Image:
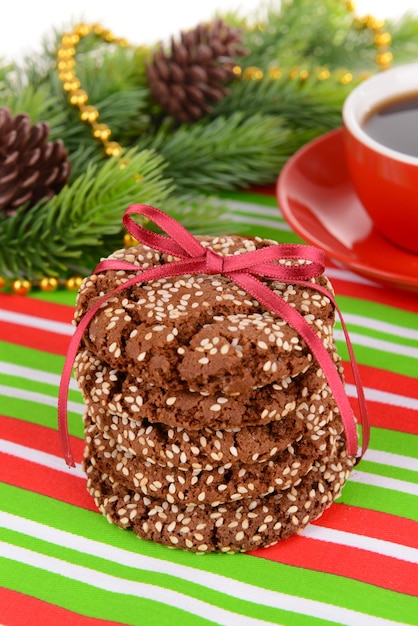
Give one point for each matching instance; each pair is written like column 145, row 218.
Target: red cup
column 385, row 180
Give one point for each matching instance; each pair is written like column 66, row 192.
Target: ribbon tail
column 272, row 302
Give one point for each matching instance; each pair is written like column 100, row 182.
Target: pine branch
column 68, row 232
column 311, row 104
column 223, row 153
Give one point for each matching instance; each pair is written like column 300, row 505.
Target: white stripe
column 362, row 542
column 385, row 458
column 333, row 272
column 55, row 462
column 252, row 208
column 374, row 395
column 39, row 398
column 21, row 319
column 384, row 327
column 384, row 397
column 125, row 587
column 51, row 461
column 374, row 480
column 378, row 344
column 216, row 582
column 395, row 460
column 258, row 221
column 32, row 374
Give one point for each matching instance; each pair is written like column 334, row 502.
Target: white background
column 24, row 23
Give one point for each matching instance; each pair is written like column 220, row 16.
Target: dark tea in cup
column 381, row 145
column 395, row 124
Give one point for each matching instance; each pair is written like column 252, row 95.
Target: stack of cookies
column 209, row 424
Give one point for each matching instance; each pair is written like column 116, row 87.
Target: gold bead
column 67, row 75
column 294, row 73
column 304, row 75
column 65, row 65
column 122, row 42
column 66, row 52
column 101, row 131
column 48, row 283
column 253, row 73
column 78, row 97
column 382, row 39
column 2, row 282
column 21, row 287
column 82, row 30
column 324, row 74
column 237, row 70
column 88, row 114
column 97, row 29
column 72, row 85
column 73, row 283
column 384, row 59
column 374, row 23
column 129, row 241
column 108, row 36
column 275, row 73
column 113, row 149
column 70, row 39
column 346, row 78
column 351, row 6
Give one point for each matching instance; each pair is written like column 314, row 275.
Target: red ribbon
column 244, row 270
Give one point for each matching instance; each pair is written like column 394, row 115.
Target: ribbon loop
column 191, row 257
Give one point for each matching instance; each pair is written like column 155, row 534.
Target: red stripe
column 34, row 338
column 396, row 298
column 36, row 436
column 384, row 415
column 39, row 308
column 371, row 568
column 298, row 551
column 18, row 609
column 45, row 481
column 340, row 516
column 369, row 523
column 384, row 380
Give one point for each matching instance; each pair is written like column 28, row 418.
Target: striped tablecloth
column 62, row 563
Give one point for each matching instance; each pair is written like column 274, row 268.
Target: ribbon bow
column 245, row 270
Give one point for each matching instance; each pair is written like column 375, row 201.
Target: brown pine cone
column 31, row 168
column 192, row 76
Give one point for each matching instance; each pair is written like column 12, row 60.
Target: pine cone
column 186, row 81
column 31, row 168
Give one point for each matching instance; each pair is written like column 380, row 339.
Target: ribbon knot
column 215, row 262
column 247, row 270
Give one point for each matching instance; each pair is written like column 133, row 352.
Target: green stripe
column 394, row 441
column 389, row 470
column 91, row 601
column 392, row 362
column 380, row 499
column 38, row 386
column 61, row 296
column 40, row 414
column 29, row 357
column 249, row 198
column 375, row 310
column 263, row 573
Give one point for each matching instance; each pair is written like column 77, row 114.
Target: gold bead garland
column 88, row 113
column 22, row 286
column 78, row 97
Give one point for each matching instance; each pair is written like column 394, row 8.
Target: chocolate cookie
column 215, row 485
column 122, row 394
column 234, row 527
column 203, row 333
